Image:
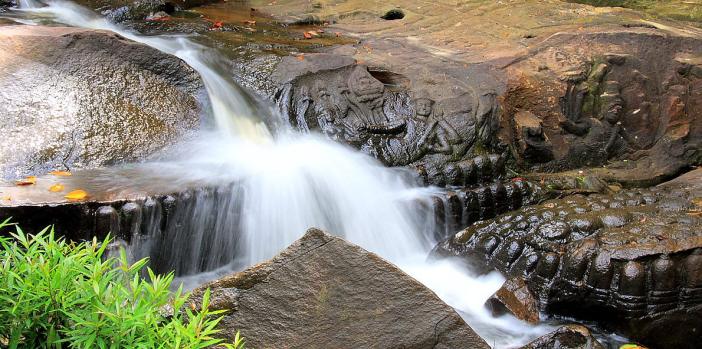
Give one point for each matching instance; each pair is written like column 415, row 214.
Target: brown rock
column 322, row 292
column 566, row 337
column 85, row 98
column 515, row 298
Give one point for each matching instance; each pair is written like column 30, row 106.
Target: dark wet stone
column 566, row 337
column 633, row 267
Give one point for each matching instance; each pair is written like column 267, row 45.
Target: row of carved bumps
column 674, row 281
column 457, row 209
column 481, row 169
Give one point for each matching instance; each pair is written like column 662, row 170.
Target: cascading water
column 288, row 183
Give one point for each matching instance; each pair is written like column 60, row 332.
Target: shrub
column 56, row 294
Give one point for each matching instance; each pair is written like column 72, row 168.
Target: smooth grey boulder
column 323, row 292
column 72, row 98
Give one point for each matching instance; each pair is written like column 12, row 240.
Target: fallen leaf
column 250, row 22
column 307, row 35
column 313, row 33
column 76, row 195
column 56, row 188
column 518, row 179
column 300, row 57
column 338, row 34
column 60, row 173
column 631, row 346
column 550, row 205
column 7, row 198
column 27, row 181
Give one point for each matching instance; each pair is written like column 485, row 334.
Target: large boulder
column 323, row 292
column 84, row 98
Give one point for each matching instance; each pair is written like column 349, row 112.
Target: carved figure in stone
column 593, row 109
column 365, row 97
column 350, row 105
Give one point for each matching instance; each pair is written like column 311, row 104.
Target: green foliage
column 56, row 294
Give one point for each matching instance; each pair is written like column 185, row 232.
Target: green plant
column 56, row 294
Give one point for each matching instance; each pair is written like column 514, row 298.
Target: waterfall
column 288, row 183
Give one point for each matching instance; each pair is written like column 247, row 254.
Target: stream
column 288, row 182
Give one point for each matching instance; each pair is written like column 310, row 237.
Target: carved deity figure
column 365, row 96
column 427, row 131
column 595, row 118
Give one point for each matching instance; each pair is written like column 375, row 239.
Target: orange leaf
column 76, row 195
column 27, row 181
column 300, row 58
column 56, row 188
column 307, row 35
column 60, row 173
column 250, row 22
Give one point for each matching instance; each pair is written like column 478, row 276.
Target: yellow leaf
column 7, row 198
column 631, row 346
column 60, row 173
column 76, row 195
column 27, row 181
column 56, row 188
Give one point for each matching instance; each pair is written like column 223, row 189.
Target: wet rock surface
column 514, row 298
column 322, row 292
column 566, row 337
column 148, row 225
column 82, row 98
column 629, row 260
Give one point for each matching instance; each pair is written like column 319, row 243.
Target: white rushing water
column 292, row 182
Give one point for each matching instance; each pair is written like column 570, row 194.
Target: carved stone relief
column 399, row 128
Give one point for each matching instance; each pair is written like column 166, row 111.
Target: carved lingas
column 633, row 256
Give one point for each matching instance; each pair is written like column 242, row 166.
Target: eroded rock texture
column 82, row 98
column 348, row 103
column 630, row 100
column 323, row 292
column 632, row 260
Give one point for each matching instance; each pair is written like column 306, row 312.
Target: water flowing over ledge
column 290, row 182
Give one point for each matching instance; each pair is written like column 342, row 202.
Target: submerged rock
column 631, row 261
column 322, row 292
column 566, row 337
column 85, row 98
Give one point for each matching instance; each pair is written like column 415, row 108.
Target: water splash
column 292, row 182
